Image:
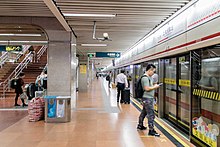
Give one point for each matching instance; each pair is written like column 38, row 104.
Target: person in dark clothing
column 122, row 82
column 97, row 75
column 19, row 89
column 33, row 54
column 110, row 78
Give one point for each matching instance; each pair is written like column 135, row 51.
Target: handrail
column 3, row 58
column 41, row 52
column 25, row 48
column 16, row 72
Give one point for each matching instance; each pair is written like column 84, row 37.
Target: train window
column 206, row 95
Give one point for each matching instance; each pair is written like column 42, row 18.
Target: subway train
column 186, row 51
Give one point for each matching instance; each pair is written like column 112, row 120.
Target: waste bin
column 57, row 109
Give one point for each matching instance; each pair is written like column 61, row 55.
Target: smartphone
column 160, row 84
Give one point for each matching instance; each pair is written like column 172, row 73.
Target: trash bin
column 57, row 109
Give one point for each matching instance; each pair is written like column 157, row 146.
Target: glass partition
column 206, row 95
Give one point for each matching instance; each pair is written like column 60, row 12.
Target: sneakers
column 153, row 133
column 139, row 127
column 17, row 105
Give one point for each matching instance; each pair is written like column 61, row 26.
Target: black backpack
column 139, row 91
column 14, row 83
column 107, row 78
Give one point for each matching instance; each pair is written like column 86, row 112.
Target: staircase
column 31, row 72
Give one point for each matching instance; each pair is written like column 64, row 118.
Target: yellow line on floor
column 168, row 130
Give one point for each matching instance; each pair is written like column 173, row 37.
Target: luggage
column 31, row 91
column 39, row 93
column 126, row 96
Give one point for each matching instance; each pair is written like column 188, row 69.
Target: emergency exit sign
column 108, row 54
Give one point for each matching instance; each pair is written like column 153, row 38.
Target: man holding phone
column 148, row 100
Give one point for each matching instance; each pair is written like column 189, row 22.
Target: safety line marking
column 164, row 127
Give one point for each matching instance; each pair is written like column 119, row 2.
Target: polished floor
column 97, row 121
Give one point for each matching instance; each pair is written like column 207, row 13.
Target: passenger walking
column 148, row 101
column 97, row 76
column 39, row 83
column 122, row 82
column 109, row 78
column 19, row 89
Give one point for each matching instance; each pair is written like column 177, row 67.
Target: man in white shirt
column 122, row 82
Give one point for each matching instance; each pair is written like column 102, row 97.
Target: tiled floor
column 97, row 121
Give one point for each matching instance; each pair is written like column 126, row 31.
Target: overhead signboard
column 108, row 54
column 10, row 48
column 14, row 48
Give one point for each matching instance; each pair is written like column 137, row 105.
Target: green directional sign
column 108, row 54
column 91, row 55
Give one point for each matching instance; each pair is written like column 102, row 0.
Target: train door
column 205, row 111
column 177, row 90
column 135, row 76
column 183, row 92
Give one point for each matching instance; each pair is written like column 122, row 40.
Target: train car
column 186, row 51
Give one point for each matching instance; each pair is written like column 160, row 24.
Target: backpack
column 14, row 83
column 139, row 91
column 107, row 78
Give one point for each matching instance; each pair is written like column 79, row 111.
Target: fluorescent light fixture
column 94, row 45
column 22, row 35
column 8, row 42
column 94, row 58
column 89, row 15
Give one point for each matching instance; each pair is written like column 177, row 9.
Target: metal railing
column 15, row 73
column 3, row 58
column 24, row 50
column 29, row 57
column 41, row 52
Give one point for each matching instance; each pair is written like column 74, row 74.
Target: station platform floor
column 97, row 121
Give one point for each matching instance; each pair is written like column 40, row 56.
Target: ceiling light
column 94, row 58
column 93, row 44
column 23, row 35
column 90, row 15
column 20, row 42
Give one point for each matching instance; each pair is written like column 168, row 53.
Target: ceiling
column 26, row 32
column 134, row 19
